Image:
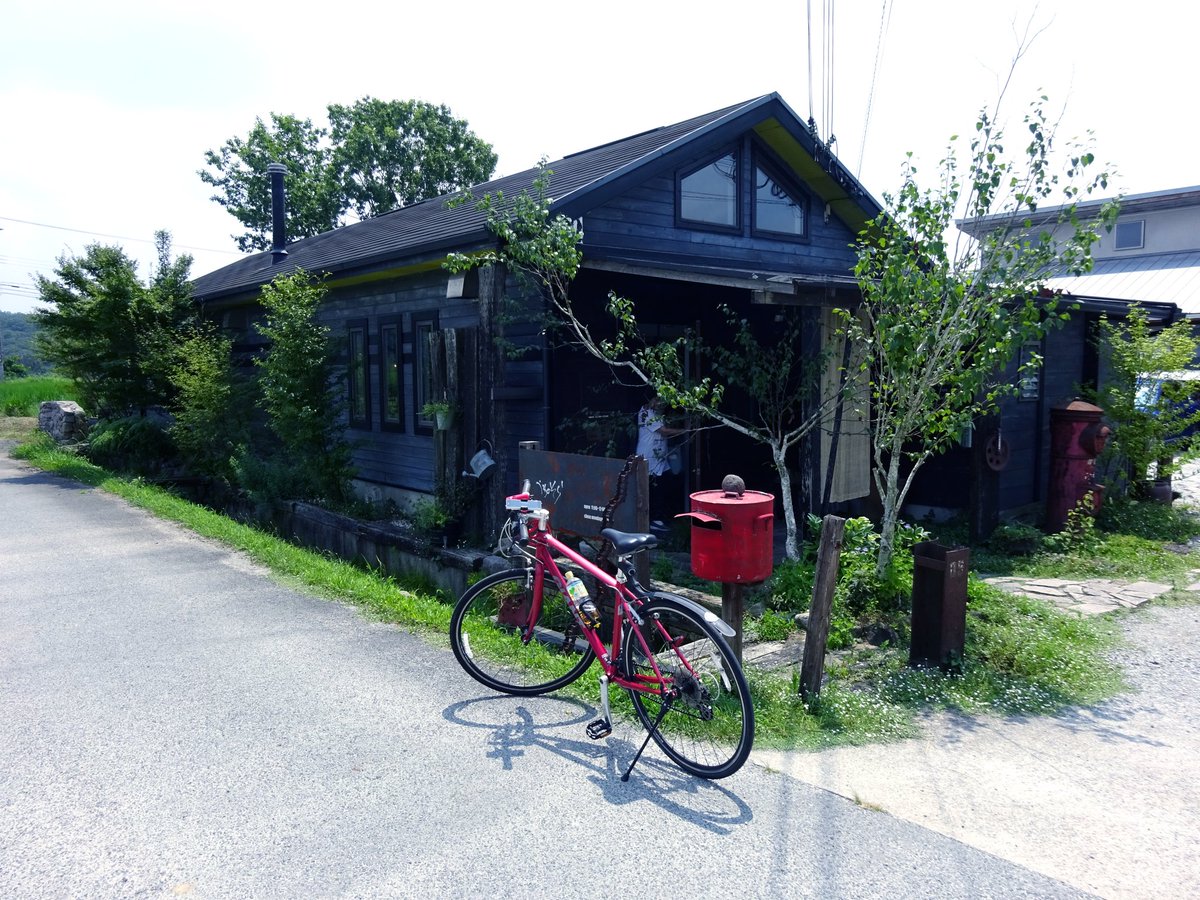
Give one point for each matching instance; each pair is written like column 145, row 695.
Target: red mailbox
column 732, row 536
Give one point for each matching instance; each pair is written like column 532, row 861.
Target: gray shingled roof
column 426, row 230
column 432, row 226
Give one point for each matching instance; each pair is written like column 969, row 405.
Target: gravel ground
column 1106, row 798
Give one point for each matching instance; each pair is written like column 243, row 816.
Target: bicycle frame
column 667, row 651
column 625, row 601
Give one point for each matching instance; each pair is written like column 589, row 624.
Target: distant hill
column 17, row 331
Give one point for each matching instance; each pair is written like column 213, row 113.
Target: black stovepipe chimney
column 278, row 213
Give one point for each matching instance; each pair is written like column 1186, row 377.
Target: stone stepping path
column 1090, row 597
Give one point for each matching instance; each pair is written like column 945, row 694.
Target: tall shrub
column 300, row 395
column 211, row 405
column 112, row 334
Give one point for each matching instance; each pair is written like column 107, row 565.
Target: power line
column 885, row 20
column 828, row 55
column 12, row 287
column 24, row 261
column 119, row 237
column 808, row 7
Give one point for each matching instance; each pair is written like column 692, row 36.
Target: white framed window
column 1130, row 235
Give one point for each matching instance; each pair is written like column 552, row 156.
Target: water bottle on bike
column 583, row 601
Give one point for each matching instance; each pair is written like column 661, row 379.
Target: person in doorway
column 653, row 432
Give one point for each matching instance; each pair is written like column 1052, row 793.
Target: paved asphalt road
column 173, row 722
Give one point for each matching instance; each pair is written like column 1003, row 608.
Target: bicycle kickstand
column 662, row 711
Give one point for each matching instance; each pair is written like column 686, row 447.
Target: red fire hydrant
column 1077, row 437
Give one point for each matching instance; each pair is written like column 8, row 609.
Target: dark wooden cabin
column 741, row 207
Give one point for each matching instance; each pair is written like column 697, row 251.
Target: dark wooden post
column 452, row 470
column 828, row 558
column 641, row 476
column 733, row 611
column 987, row 459
column 489, row 370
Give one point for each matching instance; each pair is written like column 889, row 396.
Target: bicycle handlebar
column 522, row 501
column 523, row 505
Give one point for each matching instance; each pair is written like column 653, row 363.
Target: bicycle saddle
column 625, row 543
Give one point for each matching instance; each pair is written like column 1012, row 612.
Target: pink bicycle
column 521, row 632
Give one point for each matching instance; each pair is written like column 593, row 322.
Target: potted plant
column 441, row 412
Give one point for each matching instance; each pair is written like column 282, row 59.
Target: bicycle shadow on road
column 521, row 724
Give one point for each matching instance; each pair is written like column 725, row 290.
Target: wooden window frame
column 759, row 159
column 699, row 224
column 387, row 324
column 1029, row 380
column 423, row 324
column 363, row 366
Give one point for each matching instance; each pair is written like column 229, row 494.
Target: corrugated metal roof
column 432, row 226
column 1163, row 278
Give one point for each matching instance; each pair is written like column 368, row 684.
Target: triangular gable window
column 709, row 194
column 777, row 209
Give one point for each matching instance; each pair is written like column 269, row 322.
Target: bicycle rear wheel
column 708, row 727
column 487, row 628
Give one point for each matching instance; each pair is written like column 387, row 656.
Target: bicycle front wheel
column 708, row 727
column 487, row 634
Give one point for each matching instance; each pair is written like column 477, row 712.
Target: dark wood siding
column 398, row 458
column 1024, row 425
column 641, row 224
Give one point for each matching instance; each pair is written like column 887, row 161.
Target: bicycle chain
column 610, row 508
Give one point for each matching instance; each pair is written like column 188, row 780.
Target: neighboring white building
column 1152, row 255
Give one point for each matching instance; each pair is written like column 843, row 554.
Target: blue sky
column 109, row 107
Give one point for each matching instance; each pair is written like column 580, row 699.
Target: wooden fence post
column 828, row 558
column 733, row 611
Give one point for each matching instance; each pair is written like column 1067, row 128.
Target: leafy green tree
column 300, row 393
column 211, row 403
column 375, row 156
column 238, row 172
column 12, row 367
column 111, row 333
column 17, row 343
column 776, row 374
column 388, row 154
column 1151, row 417
column 941, row 318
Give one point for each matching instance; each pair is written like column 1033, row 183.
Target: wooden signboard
column 576, row 489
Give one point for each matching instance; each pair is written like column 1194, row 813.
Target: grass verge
column 1023, row 656
column 23, row 396
column 325, row 575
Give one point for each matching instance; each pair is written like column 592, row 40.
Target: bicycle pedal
column 600, row 728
